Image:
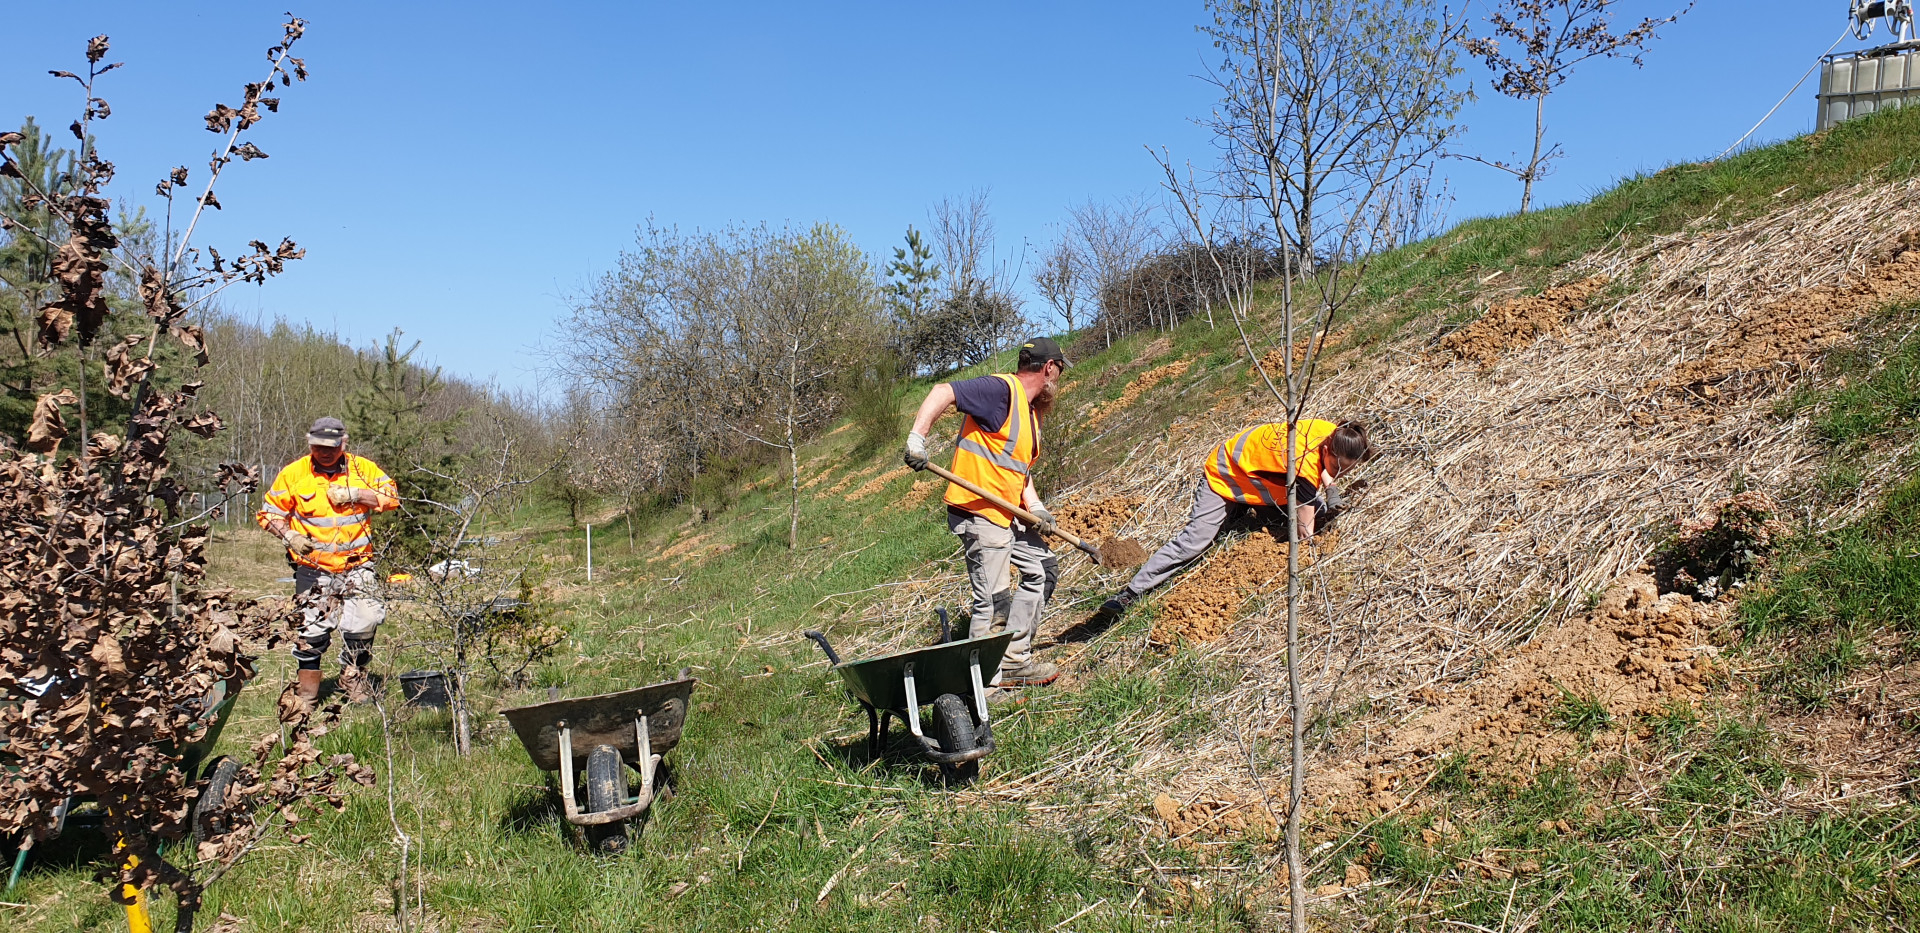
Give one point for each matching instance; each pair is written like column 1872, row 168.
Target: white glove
column 916, row 450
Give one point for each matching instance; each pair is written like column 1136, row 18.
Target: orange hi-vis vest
column 997, row 460
column 343, row 533
column 1262, row 449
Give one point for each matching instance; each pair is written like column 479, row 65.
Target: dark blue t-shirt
column 986, row 399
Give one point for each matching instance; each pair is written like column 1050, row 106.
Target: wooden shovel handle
column 1017, row 511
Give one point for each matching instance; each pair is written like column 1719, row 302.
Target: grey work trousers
column 991, row 552
column 1212, row 514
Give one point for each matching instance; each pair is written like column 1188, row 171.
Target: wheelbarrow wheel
column 208, row 823
column 952, row 724
column 606, row 789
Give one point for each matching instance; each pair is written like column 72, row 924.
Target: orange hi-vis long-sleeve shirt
column 343, row 533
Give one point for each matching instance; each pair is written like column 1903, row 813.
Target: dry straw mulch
column 1510, row 490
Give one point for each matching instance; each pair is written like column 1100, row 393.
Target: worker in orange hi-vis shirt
column 321, row 507
column 1244, row 481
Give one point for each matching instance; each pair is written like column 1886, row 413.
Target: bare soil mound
column 1516, row 322
column 1135, row 389
column 1219, row 815
column 1790, row 330
column 1099, row 518
column 1204, row 605
column 1635, row 653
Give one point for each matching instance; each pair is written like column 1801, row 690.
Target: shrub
column 1719, row 553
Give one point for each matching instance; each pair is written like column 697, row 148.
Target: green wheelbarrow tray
column 899, row 684
column 643, row 724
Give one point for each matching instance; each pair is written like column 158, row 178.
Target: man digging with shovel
column 999, row 441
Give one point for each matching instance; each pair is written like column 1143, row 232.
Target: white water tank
column 1857, row 83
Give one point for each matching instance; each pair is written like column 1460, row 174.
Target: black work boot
column 1117, row 606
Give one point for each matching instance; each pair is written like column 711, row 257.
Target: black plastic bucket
column 424, row 688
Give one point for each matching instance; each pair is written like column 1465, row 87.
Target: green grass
column 776, row 801
column 1559, row 854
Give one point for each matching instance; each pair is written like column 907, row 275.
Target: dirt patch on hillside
column 1205, row 603
column 851, row 478
column 919, row 493
column 1097, row 519
column 877, row 483
column 1517, row 322
column 1135, row 389
column 1636, row 653
column 1274, row 362
column 1774, row 342
column 1216, row 814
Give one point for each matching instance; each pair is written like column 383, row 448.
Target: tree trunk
column 462, row 718
column 793, row 451
column 1533, row 165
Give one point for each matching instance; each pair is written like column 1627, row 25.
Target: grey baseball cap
column 327, row 432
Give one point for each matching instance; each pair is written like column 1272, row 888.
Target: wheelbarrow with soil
column 950, row 676
column 599, row 738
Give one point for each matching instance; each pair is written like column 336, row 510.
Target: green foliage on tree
column 910, row 279
column 28, row 281
column 392, row 418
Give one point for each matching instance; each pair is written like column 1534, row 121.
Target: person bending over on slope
column 1246, row 478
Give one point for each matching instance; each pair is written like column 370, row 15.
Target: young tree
column 1113, row 238
column 811, row 321
column 117, row 654
column 978, row 315
column 1059, row 279
column 1327, row 114
column 1550, row 37
column 390, row 414
column 911, row 279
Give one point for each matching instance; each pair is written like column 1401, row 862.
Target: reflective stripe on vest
column 341, row 534
column 983, row 458
column 1230, row 468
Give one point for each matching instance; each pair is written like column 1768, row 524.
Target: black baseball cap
column 1039, row 351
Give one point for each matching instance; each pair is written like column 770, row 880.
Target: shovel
column 1118, row 554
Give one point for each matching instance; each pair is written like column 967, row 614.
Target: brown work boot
column 354, row 681
column 308, row 687
column 1030, row 674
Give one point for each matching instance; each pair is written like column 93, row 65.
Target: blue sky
column 462, row 170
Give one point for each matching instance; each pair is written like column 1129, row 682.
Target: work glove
column 916, row 450
column 1044, row 520
column 300, row 545
column 346, row 495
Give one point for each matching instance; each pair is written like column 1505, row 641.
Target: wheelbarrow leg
column 979, row 688
column 19, row 861
column 913, row 704
column 566, row 770
column 875, row 729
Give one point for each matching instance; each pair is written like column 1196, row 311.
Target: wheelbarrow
column 950, row 676
column 195, row 759
column 599, row 736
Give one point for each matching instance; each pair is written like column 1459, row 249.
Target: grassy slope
column 773, row 804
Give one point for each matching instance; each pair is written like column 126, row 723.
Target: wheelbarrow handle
column 1017, row 511
column 820, row 639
